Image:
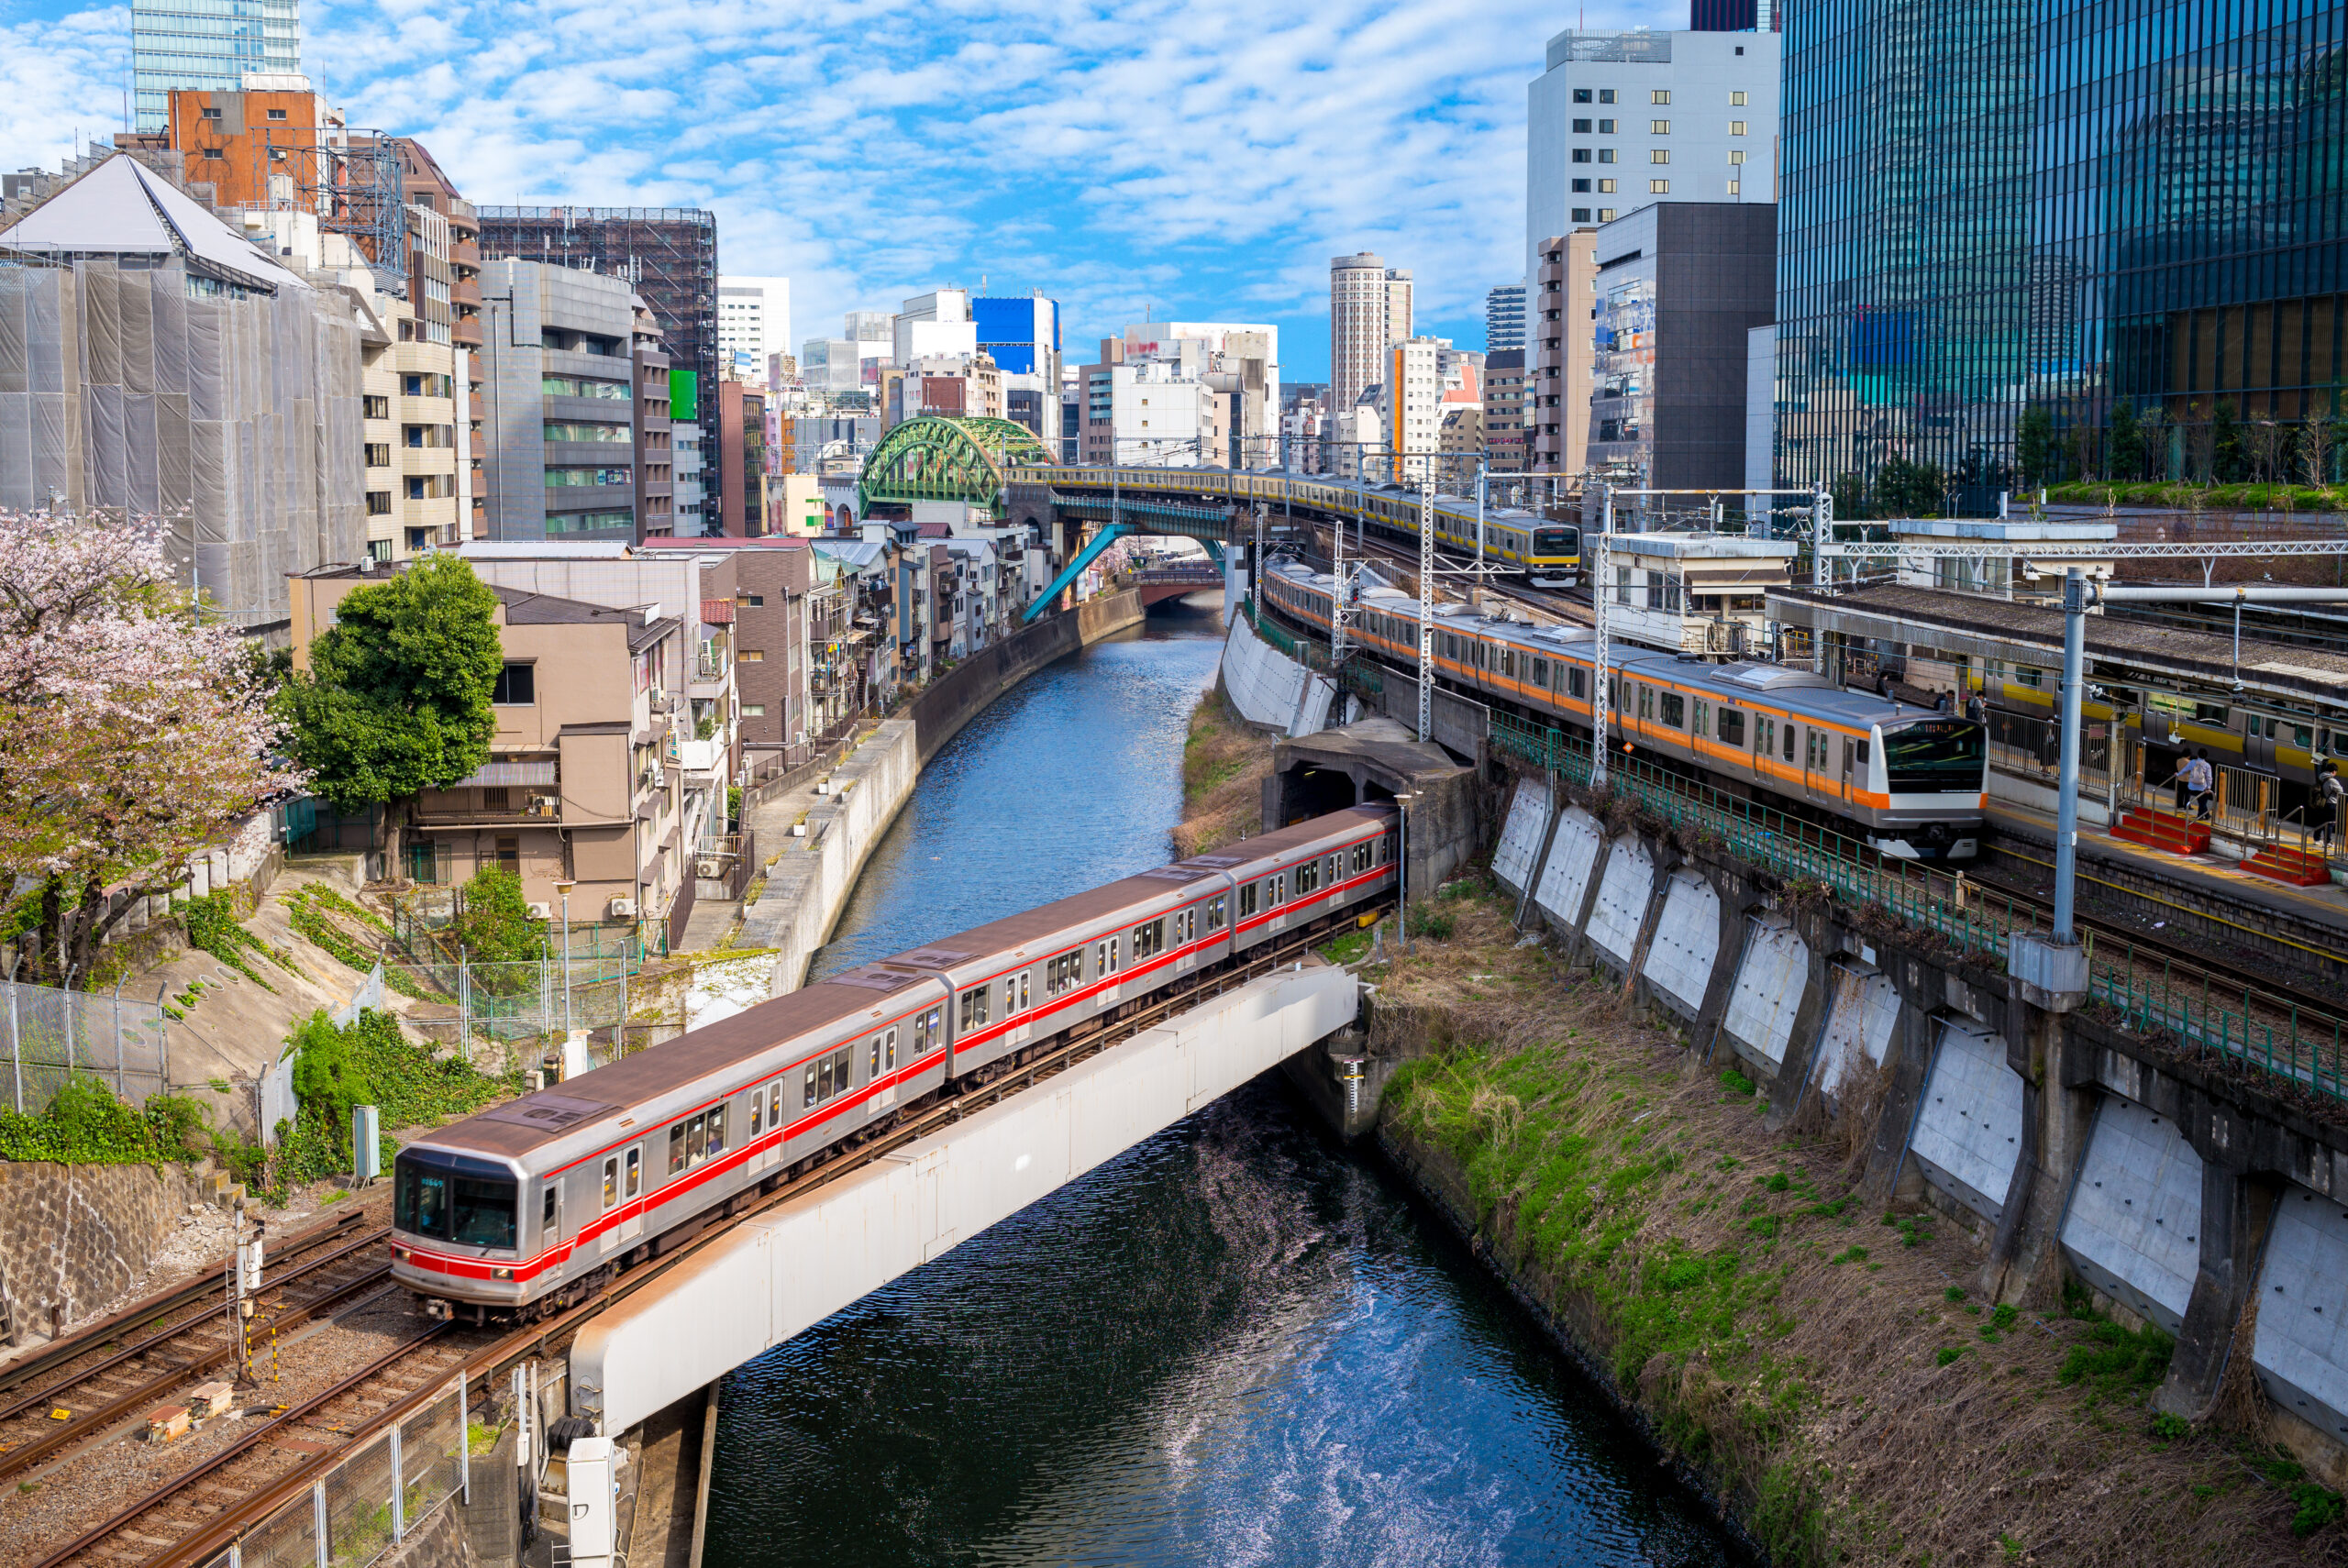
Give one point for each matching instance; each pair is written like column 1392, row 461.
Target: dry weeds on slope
column 1225, row 763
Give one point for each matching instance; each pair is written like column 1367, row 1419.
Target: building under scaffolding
column 669, row 254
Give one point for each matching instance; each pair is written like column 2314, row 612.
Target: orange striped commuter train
column 1910, row 780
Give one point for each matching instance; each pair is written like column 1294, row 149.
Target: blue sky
column 1201, row 159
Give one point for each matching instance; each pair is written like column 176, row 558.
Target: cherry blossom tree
column 138, row 733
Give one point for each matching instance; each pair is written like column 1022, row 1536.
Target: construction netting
column 231, row 412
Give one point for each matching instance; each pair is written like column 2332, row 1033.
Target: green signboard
column 684, row 395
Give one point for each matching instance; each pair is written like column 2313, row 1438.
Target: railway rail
column 199, row 1514
column 130, row 1379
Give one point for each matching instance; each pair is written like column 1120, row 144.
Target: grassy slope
column 1816, row 1359
column 1225, row 764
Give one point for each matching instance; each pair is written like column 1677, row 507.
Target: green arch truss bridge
column 943, row 457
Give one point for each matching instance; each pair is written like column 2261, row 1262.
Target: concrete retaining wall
column 1521, row 834
column 1270, row 688
column 77, row 1238
column 962, row 693
column 2182, row 1195
column 809, row 883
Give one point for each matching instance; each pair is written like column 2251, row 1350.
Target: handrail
column 2259, row 1030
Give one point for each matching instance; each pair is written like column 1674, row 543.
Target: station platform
column 2212, row 878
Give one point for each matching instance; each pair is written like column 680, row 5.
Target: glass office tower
column 2125, row 216
column 207, row 44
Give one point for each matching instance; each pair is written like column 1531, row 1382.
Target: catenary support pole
column 2067, row 808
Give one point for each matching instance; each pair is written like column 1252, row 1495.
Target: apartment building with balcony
column 774, row 670
column 595, row 776
column 654, row 442
column 1561, row 357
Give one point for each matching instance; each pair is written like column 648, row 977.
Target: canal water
column 1237, row 1343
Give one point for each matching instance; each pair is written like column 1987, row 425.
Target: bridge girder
column 947, row 458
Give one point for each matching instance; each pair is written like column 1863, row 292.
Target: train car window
column 1850, row 755
column 1540, row 671
column 1246, row 900
column 1021, row 979
column 925, row 1030
column 1789, row 743
column 1150, row 939
column 1646, row 701
column 1335, row 870
column 1577, row 682
column 758, row 1111
column 1863, row 753
column 717, row 1131
column 889, row 1050
column 822, row 1080
column 611, row 1181
column 1675, row 710
column 873, row 1070
column 677, row 1133
column 1765, row 734
column 550, row 1205
column 806, row 1097
column 2302, row 736
column 843, row 1069
column 636, row 1164
column 1732, row 727
column 484, row 1214
column 1703, row 717
column 420, row 1202
column 696, row 1140
column 1277, row 891
column 1063, row 973
column 1308, row 876
column 974, row 1006
column 1214, row 913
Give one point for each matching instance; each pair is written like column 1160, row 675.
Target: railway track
column 191, row 1517
column 27, row 1376
column 2261, row 989
column 146, row 1368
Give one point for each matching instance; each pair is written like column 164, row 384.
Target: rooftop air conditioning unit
column 623, row 908
column 541, row 912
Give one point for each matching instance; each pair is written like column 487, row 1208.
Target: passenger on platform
column 2330, row 796
column 1976, row 710
column 1941, row 703
column 2196, row 780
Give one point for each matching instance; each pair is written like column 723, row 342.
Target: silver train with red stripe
column 529, row 1206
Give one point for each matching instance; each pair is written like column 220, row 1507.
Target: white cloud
column 1203, row 156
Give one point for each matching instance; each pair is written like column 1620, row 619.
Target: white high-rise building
column 1369, row 307
column 753, row 324
column 212, row 45
column 933, row 325
column 1621, row 121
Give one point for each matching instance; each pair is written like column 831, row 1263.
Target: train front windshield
column 1935, row 757
column 1557, row 541
column 469, row 1202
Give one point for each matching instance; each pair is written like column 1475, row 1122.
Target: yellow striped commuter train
column 1909, row 781
column 1548, row 553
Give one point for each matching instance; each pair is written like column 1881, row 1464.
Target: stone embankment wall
column 810, row 881
column 2186, row 1192
column 78, row 1237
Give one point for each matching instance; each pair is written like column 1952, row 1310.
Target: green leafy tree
column 2121, row 446
column 497, row 926
column 397, row 696
column 2035, row 447
column 1905, row 488
column 328, row 1078
column 2229, row 460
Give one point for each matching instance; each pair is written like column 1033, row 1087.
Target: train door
column 550, row 1213
column 1853, row 772
column 631, row 1188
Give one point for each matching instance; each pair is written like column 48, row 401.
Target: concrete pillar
column 1801, row 1047
column 1658, row 890
column 1907, row 1061
column 2235, row 1210
column 2058, row 1118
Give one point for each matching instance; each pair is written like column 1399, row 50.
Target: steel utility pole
column 1602, row 594
column 1426, row 607
column 1337, row 601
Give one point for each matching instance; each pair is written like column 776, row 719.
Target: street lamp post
column 1402, row 863
column 564, row 890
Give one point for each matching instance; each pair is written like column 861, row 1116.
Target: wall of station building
column 2185, row 1197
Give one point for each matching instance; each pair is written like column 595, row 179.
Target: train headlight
column 500, row 1274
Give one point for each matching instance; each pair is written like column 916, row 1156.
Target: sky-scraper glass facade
column 2098, row 241
column 207, row 44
